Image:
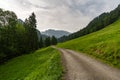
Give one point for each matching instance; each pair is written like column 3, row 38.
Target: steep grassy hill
column 44, row 64
column 96, row 24
column 103, row 44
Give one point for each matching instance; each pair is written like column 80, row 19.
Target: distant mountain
column 44, row 36
column 41, row 35
column 56, row 33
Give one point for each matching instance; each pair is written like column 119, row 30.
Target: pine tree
column 32, row 38
column 53, row 40
column 47, row 42
column 41, row 43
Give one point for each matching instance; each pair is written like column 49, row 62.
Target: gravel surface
column 82, row 67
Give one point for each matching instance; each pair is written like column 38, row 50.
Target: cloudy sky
column 69, row 15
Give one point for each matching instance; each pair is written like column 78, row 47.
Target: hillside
column 56, row 33
column 43, row 64
column 103, row 44
column 96, row 24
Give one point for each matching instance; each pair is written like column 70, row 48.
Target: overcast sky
column 69, row 15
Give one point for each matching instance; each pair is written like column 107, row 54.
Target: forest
column 19, row 37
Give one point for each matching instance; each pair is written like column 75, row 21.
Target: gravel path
column 81, row 67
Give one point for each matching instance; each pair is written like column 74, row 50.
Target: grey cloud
column 74, row 14
column 28, row 4
column 70, row 15
column 87, row 7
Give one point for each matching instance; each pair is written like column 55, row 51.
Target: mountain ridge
column 56, row 33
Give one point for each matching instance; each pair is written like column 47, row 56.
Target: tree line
column 18, row 38
column 47, row 41
column 96, row 24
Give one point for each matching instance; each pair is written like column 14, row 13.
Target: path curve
column 81, row 67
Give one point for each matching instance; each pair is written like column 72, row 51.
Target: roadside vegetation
column 103, row 44
column 44, row 64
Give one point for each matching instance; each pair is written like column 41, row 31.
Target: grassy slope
column 44, row 64
column 103, row 44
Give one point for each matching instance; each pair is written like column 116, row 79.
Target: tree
column 8, row 40
column 32, row 20
column 17, row 38
column 47, row 42
column 41, row 43
column 31, row 32
column 53, row 40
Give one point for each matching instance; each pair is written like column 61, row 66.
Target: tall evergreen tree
column 53, row 40
column 30, row 25
column 32, row 20
column 47, row 42
column 41, row 43
column 16, row 38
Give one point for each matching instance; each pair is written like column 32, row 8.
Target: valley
column 60, row 40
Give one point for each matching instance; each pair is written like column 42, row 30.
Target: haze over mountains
column 56, row 33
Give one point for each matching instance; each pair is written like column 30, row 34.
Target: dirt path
column 81, row 67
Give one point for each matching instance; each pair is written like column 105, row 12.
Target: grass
column 43, row 64
column 103, row 44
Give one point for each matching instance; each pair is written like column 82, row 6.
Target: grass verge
column 103, row 45
column 44, row 64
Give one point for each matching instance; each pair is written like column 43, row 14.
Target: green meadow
column 103, row 44
column 44, row 64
